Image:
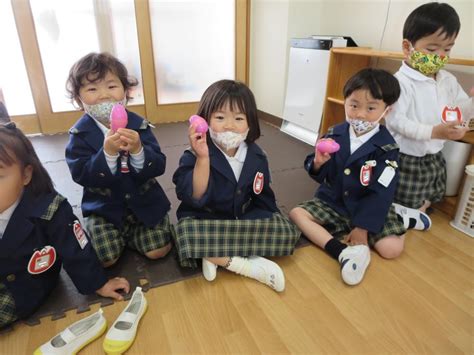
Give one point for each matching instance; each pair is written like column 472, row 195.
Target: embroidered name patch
column 42, row 260
column 80, row 235
column 258, row 183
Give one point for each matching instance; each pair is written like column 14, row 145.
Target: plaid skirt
column 108, row 241
column 7, row 307
column 339, row 226
column 421, row 178
column 200, row 238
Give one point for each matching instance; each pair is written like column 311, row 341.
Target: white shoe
column 76, row 336
column 209, row 270
column 271, row 274
column 354, row 261
column 122, row 333
column 423, row 221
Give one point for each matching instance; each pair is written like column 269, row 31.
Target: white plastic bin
column 456, row 155
column 464, row 219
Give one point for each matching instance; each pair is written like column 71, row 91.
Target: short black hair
column 380, row 83
column 239, row 96
column 428, row 19
column 94, row 67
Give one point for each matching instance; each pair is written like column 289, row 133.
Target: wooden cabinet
column 345, row 62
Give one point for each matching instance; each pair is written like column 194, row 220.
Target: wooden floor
column 420, row 303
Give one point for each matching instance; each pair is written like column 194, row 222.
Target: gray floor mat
column 290, row 183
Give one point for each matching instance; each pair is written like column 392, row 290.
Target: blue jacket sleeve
column 155, row 160
column 319, row 175
column 88, row 167
column 183, row 179
column 82, row 265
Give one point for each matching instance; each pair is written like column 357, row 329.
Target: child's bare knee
column 158, row 253
column 390, row 250
column 296, row 213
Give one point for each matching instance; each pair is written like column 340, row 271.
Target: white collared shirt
column 136, row 160
column 420, row 107
column 356, row 142
column 237, row 161
column 6, row 215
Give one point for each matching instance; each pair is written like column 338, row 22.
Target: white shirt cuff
column 111, row 162
column 138, row 160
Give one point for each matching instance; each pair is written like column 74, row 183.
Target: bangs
column 7, row 156
column 236, row 103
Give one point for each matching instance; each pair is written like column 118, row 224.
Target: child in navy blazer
column 358, row 182
column 123, row 203
column 38, row 234
column 228, row 216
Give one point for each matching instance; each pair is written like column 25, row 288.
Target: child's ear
column 406, row 45
column 27, row 175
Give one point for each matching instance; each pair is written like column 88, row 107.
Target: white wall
column 275, row 22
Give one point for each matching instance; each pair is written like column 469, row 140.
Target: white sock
column 260, row 269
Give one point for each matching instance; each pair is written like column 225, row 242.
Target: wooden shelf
column 344, row 63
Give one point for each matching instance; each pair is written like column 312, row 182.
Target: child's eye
column 113, row 86
column 240, row 118
column 90, row 89
column 219, row 117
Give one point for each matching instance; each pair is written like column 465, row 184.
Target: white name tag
column 387, row 176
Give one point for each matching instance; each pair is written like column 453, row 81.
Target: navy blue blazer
column 225, row 197
column 110, row 195
column 38, row 222
column 340, row 178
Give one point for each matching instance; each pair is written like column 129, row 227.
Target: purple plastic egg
column 327, row 146
column 118, row 117
column 199, row 123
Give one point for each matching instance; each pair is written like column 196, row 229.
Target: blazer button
column 11, row 278
column 102, row 175
column 347, row 171
column 127, row 196
column 149, row 164
column 238, row 192
column 346, row 193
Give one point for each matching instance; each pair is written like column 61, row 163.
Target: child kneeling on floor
column 358, row 182
column 228, row 215
column 38, row 234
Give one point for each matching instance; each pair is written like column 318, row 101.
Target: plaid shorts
column 7, row 307
column 421, row 178
column 339, row 226
column 200, row 238
column 109, row 242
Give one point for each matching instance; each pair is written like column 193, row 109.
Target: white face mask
column 228, row 140
column 101, row 112
column 361, row 126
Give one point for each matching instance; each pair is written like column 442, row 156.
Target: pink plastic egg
column 118, row 117
column 198, row 123
column 327, row 146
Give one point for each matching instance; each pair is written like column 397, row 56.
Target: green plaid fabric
column 200, row 238
column 109, row 242
column 421, row 178
column 7, row 307
column 53, row 207
column 339, row 226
